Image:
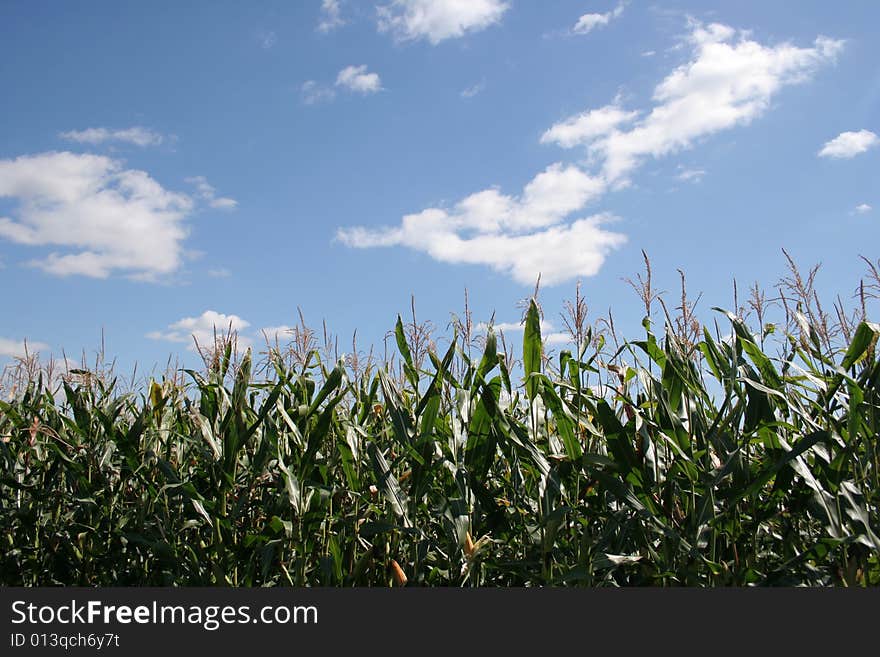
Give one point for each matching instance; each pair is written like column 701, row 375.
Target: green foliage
column 709, row 464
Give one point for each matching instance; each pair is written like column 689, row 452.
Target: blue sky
column 166, row 166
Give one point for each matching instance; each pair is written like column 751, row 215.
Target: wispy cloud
column 690, row 175
column 106, row 218
column 353, row 79
column 223, row 203
column 203, row 329
column 729, row 81
column 849, row 144
column 588, row 22
column 438, row 20
column 473, row 90
column 331, row 16
column 863, row 208
column 138, row 136
column 219, row 272
column 313, row 92
column 267, row 39
column 357, row 79
column 208, row 194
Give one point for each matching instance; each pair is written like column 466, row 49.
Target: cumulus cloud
column 438, row 20
column 729, row 81
column 17, row 348
column 105, row 217
column 137, row 136
column 521, row 236
column 588, row 22
column 203, row 329
column 356, row 78
column 849, row 144
column 863, row 208
column 207, row 193
column 331, row 16
column 587, row 126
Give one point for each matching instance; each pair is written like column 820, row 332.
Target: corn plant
column 679, row 458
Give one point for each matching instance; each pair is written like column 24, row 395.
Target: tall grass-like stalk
column 722, row 454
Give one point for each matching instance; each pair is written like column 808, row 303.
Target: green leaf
column 765, row 366
column 532, row 349
column 490, row 355
column 389, row 484
column 564, row 423
column 866, row 335
column 402, row 344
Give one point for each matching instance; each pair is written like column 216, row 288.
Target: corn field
column 732, row 454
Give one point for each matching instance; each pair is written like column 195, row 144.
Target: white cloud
column 558, row 337
column 207, row 193
column 511, row 327
column 588, row 22
column 863, row 208
column 312, row 92
column 849, row 144
column 281, row 334
column 522, row 236
column 203, row 189
column 17, row 348
column 729, row 81
column 690, row 175
column 548, row 333
column 210, row 323
column 223, row 203
column 220, row 272
column 587, row 126
column 505, row 327
column 137, row 135
column 107, row 218
column 356, row 78
column 203, row 328
column 473, row 90
column 331, row 16
column 267, row 39
column 438, row 20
